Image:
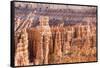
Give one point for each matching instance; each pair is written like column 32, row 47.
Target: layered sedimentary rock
column 21, row 51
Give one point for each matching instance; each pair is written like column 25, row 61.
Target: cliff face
column 59, row 45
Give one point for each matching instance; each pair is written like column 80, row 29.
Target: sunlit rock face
column 44, row 25
column 21, row 52
column 45, row 31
